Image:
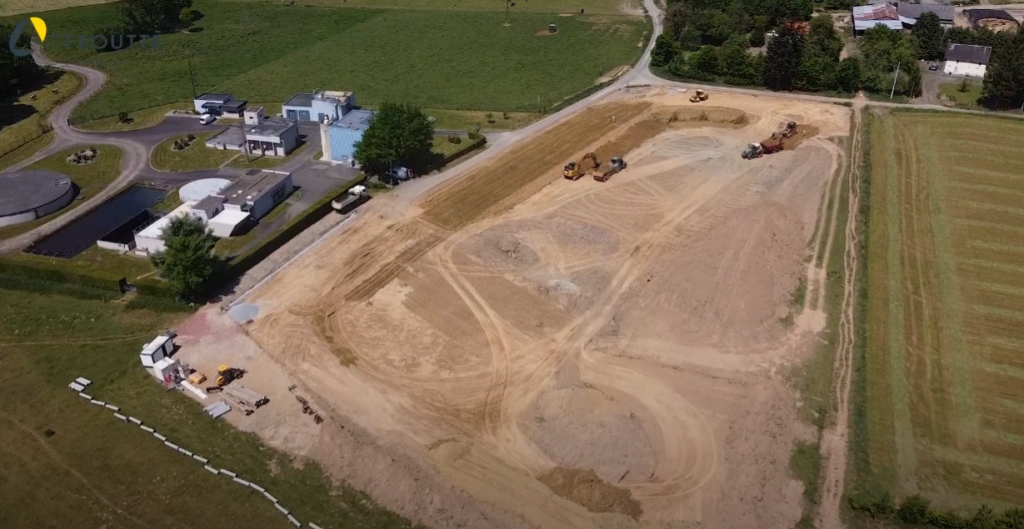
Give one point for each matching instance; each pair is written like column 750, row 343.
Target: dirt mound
column 689, row 116
column 497, row 247
column 584, row 488
column 996, row 24
column 803, row 132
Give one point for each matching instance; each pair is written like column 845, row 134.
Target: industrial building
column 149, row 238
column 220, row 105
column 318, row 106
column 909, row 13
column 339, row 138
column 967, row 60
column 869, row 16
column 264, row 136
column 28, row 195
column 258, row 194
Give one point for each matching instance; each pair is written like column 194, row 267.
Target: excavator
column 699, row 96
column 617, row 164
column 226, row 375
column 577, row 169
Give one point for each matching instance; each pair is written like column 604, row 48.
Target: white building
column 967, row 60
column 150, row 239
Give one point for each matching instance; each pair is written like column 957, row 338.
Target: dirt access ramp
column 578, row 354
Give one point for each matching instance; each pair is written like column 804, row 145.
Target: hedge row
column 578, row 96
column 915, row 511
column 17, row 270
column 60, row 288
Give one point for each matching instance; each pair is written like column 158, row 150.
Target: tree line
column 20, row 74
column 916, row 511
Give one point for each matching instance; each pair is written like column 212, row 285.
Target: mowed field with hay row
column 945, row 309
column 443, row 59
column 597, row 7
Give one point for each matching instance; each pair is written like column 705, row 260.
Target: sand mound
column 498, row 247
column 688, row 116
column 584, row 488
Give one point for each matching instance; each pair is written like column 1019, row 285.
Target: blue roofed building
column 339, row 137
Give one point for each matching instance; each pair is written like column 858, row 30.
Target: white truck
column 350, row 199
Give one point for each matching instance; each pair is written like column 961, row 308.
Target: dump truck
column 617, row 164
column 577, row 169
column 699, row 96
column 757, row 150
column 350, row 199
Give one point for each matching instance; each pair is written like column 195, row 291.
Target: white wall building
column 967, row 60
column 150, row 239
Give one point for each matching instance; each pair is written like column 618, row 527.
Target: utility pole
column 508, row 4
column 894, row 79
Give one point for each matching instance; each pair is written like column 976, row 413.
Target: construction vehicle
column 226, row 375
column 617, row 164
column 699, row 96
column 349, row 199
column 789, row 130
column 757, row 150
column 577, row 169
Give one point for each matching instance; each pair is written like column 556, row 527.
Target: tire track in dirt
column 834, row 442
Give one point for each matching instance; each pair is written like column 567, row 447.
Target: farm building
column 869, row 16
column 967, row 59
column 909, row 13
column 339, row 138
column 220, row 105
column 993, row 19
column 318, row 106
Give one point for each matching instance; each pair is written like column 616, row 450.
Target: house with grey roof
column 909, row 13
column 967, row 60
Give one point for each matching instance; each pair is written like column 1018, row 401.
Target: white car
column 206, row 119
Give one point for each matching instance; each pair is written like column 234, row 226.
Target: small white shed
column 164, row 367
column 160, row 348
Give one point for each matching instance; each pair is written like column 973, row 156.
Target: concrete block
column 112, row 407
column 136, row 421
column 98, row 402
column 257, row 487
column 186, row 452
column 146, row 428
column 122, row 417
column 211, row 469
column 240, row 481
column 200, row 459
column 228, row 472
column 171, row 445
column 76, row 386
column 269, row 497
column 83, row 381
column 281, row 508
column 84, row 396
column 294, row 521
column 158, row 436
column 314, row 526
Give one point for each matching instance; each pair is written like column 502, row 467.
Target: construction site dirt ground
column 554, row 353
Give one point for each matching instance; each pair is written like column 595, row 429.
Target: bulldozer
column 577, row 169
column 226, row 375
column 699, row 96
column 617, row 164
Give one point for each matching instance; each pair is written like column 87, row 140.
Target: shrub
column 191, row 137
column 454, row 138
column 504, row 115
column 913, row 510
column 122, row 117
column 490, row 117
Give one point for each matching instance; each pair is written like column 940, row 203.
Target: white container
column 163, row 368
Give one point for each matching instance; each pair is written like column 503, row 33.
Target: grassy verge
column 967, row 99
column 279, row 49
column 26, row 150
column 194, row 158
column 141, row 119
column 95, row 262
column 171, row 201
column 25, row 118
column 469, row 119
column 805, row 463
column 69, row 463
column 267, row 162
column 230, row 246
column 91, row 179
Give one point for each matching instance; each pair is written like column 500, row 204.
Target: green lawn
column 33, row 114
column 266, row 162
column 26, row 150
column 197, row 156
column 91, row 179
column 67, row 463
column 95, row 262
column 143, row 118
column 968, row 99
column 469, row 119
column 603, row 7
column 171, row 201
column 264, row 51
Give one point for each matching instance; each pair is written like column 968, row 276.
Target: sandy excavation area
column 553, row 353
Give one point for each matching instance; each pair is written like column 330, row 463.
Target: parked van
column 206, row 119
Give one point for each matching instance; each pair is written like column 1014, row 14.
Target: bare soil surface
column 569, row 354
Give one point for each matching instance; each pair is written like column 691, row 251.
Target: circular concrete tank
column 201, row 189
column 28, row 195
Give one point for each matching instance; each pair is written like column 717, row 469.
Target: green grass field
column 194, row 158
column 26, row 150
column 602, row 7
column 432, row 58
column 968, row 99
column 944, row 366
column 17, row 7
column 143, row 118
column 67, row 463
column 91, row 178
column 32, row 111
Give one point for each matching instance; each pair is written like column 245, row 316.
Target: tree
column 399, row 133
column 913, row 510
column 706, row 60
column 147, row 16
column 848, row 74
column 757, row 31
column 782, row 59
column 665, row 50
column 19, row 73
column 677, row 18
column 736, row 65
column 715, row 27
column 929, row 35
column 188, row 262
column 1004, row 77
column 187, row 15
column 822, row 40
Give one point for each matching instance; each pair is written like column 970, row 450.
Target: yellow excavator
column 577, row 169
column 701, row 95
